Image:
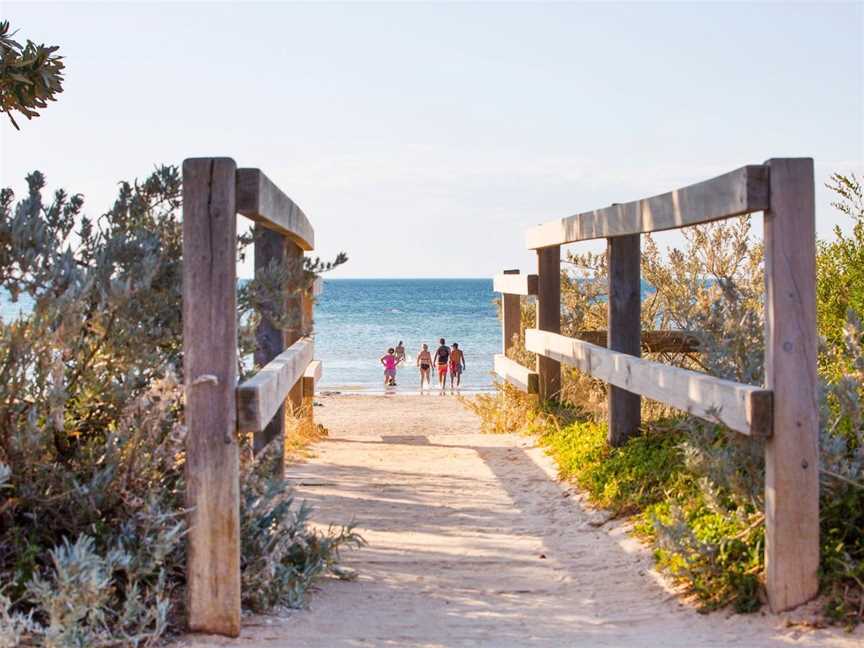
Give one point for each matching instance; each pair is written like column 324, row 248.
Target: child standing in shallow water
column 389, row 361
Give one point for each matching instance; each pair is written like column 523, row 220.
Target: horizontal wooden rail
column 515, row 284
column 651, row 341
column 744, row 408
column 738, row 192
column 260, row 397
column 517, row 375
column 262, row 201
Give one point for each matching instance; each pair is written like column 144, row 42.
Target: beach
column 473, row 541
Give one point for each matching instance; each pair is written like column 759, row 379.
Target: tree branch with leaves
column 30, row 75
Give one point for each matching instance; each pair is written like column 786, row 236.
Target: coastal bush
column 840, row 272
column 695, row 489
column 92, row 442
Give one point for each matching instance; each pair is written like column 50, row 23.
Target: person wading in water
column 457, row 366
column 424, row 361
column 389, row 362
column 442, row 360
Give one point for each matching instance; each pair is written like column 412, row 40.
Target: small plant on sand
column 282, row 556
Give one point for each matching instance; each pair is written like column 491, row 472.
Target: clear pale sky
column 423, row 138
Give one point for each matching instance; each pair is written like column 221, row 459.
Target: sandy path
column 473, row 542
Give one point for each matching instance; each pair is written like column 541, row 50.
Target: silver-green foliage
column 91, row 430
column 282, row 555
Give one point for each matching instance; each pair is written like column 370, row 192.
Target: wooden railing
column 784, row 411
column 217, row 409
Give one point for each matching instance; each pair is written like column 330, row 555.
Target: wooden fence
column 217, row 408
column 784, row 411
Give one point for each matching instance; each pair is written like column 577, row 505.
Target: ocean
column 356, row 320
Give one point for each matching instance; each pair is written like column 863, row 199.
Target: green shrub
column 623, row 480
column 696, row 489
column 840, row 275
column 282, row 556
column 92, row 442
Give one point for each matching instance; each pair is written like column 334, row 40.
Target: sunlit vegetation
column 92, row 441
column 693, row 489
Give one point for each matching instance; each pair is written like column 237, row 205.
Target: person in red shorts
column 442, row 360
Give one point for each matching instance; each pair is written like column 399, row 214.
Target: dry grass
column 301, row 431
column 507, row 410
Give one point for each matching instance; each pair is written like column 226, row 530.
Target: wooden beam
column 210, row 370
column 511, row 316
column 792, row 453
column 624, row 315
column 651, row 341
column 262, row 201
column 744, row 408
column 738, row 192
column 511, row 283
column 516, row 374
column 549, row 317
column 260, row 397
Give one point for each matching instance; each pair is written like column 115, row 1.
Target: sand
column 474, row 542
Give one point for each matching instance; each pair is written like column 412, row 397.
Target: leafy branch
column 30, row 76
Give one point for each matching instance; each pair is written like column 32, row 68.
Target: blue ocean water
column 356, row 320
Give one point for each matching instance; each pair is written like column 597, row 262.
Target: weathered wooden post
column 270, row 248
column 310, row 378
column 624, row 312
column 313, row 372
column 792, row 452
column 549, row 316
column 511, row 317
column 297, row 310
column 210, row 378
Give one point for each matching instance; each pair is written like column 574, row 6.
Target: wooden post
column 295, row 306
column 624, row 308
column 549, row 316
column 308, row 397
column 792, row 452
column 307, row 389
column 270, row 247
column 210, row 370
column 511, row 317
column 308, row 312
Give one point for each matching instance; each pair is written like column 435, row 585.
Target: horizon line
column 324, row 275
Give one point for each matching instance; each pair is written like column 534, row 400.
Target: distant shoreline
column 332, row 391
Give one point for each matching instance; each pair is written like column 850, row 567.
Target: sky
column 422, row 139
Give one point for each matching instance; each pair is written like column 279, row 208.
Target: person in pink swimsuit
column 389, row 361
